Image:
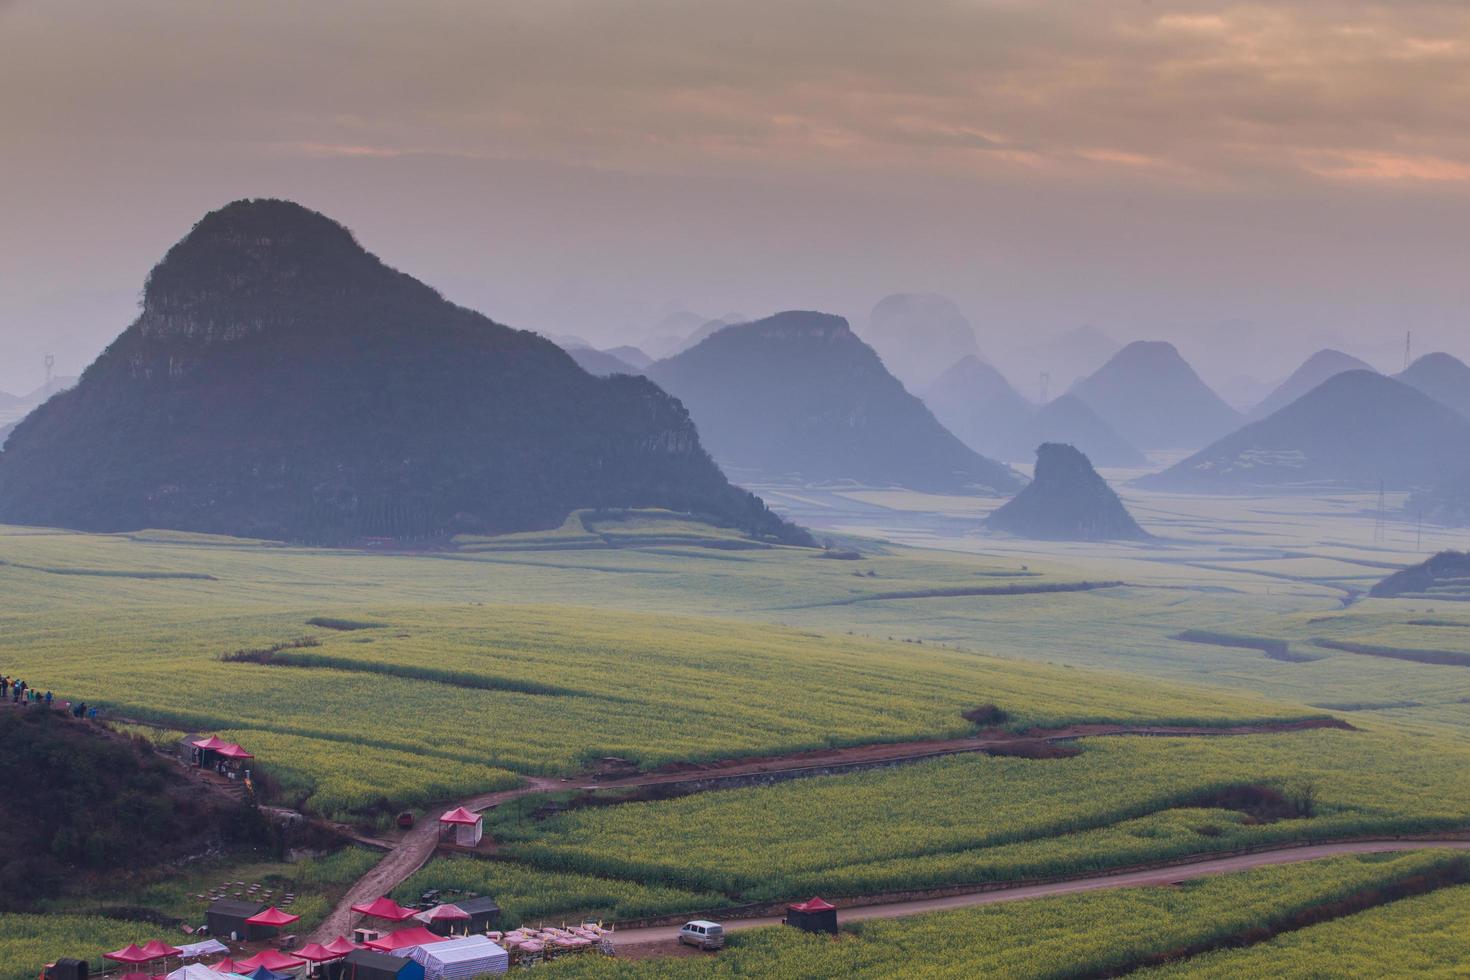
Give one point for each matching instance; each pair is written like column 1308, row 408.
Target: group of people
column 20, row 692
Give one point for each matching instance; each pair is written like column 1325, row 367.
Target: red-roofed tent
column 212, row 742
column 271, row 960
column 132, row 953
column 232, row 751
column 317, row 953
column 226, row 965
column 813, row 915
column 468, row 827
column 273, row 917
column 342, row 946
column 384, row 908
column 160, row 950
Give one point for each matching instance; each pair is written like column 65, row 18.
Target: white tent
column 193, row 951
column 461, row 959
column 194, row 971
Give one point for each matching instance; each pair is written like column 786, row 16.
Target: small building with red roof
column 813, row 915
column 466, row 827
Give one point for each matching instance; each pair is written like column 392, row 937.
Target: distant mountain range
column 918, row 336
column 978, row 404
column 680, row 331
column 600, row 363
column 1066, row 501
column 282, row 382
column 797, row 396
column 630, row 355
column 1313, row 371
column 1356, row 429
column 1444, row 378
column 1155, row 400
column 1065, row 357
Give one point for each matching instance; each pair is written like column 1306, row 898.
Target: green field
column 973, row 819
column 450, row 689
column 1093, row 934
column 365, row 682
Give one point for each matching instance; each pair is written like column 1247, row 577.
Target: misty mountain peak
column 799, row 395
column 919, row 335
column 257, row 257
column 1151, row 395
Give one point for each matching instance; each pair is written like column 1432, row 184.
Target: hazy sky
column 1247, row 180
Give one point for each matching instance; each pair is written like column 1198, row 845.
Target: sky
column 1250, row 181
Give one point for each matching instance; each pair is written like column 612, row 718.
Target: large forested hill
column 282, row 382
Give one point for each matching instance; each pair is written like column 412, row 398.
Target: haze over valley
column 645, row 489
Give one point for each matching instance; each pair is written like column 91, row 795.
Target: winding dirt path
column 637, row 942
column 417, row 846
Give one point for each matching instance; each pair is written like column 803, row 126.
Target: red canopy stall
column 132, row 954
column 271, row 960
column 273, row 917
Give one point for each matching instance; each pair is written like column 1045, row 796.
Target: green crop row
column 1091, row 934
column 1411, row 938
column 969, row 819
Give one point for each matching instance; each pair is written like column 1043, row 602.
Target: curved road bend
column 1130, row 879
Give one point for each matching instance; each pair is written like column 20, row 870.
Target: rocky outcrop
column 1066, row 501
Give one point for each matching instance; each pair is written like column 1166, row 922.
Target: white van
column 702, row 933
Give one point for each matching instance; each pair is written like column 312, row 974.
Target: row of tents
column 431, row 957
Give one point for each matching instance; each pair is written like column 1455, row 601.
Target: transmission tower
column 50, row 367
column 1408, row 346
column 1045, row 384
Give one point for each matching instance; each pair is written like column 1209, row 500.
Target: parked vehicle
column 703, row 933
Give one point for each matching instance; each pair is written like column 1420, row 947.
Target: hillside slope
column 1153, row 398
column 1445, row 575
column 1313, row 371
column 1442, row 377
column 1357, row 429
column 282, row 382
column 799, row 396
column 976, row 402
column 599, row 362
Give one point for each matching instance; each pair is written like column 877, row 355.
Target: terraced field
column 977, row 819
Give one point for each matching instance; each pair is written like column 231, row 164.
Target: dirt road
column 638, row 941
column 414, row 850
column 411, row 853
